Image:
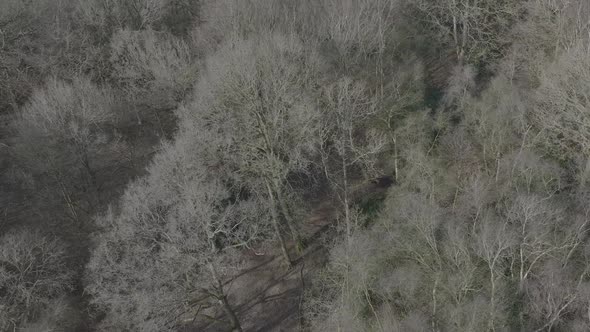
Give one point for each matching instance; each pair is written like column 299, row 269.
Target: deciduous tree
column 60, row 132
column 33, row 274
column 255, row 95
column 345, row 144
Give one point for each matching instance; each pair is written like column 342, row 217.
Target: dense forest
column 295, row 165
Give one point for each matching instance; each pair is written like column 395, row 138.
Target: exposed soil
column 266, row 295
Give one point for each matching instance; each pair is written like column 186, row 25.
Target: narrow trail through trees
column 267, row 296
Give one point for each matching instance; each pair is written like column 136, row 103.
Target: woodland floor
column 266, row 295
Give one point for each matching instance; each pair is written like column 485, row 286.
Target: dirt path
column 267, row 296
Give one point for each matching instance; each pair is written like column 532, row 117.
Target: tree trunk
column 68, row 200
column 91, row 177
column 137, row 113
column 222, row 298
column 275, row 222
column 345, row 201
column 491, row 323
column 395, row 159
column 288, row 218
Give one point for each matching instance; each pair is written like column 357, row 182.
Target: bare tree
column 175, row 242
column 534, row 219
column 155, row 69
column 109, row 15
column 345, row 145
column 256, row 100
column 561, row 106
column 495, row 244
column 220, row 230
column 402, row 95
column 554, row 292
column 61, row 131
column 33, row 273
column 476, row 29
column 210, row 223
column 24, row 26
column 569, row 22
column 362, row 33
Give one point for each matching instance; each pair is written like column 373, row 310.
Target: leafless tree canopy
column 415, row 165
